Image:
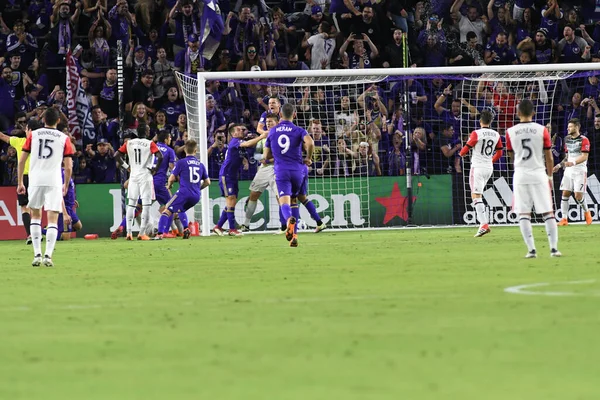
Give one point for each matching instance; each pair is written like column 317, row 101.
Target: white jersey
column 47, row 148
column 484, row 142
column 574, row 149
column 528, row 140
column 322, row 49
column 141, row 157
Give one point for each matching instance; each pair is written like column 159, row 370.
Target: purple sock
column 282, row 219
column 296, row 214
column 312, row 211
column 164, row 223
column 138, row 211
column 184, row 219
column 223, row 218
column 231, row 217
column 286, row 212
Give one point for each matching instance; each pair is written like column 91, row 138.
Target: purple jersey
column 233, row 159
column 70, row 197
column 191, row 173
column 285, row 141
column 160, row 178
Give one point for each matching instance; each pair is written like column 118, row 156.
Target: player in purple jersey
column 284, row 144
column 229, row 174
column 162, row 194
column 192, row 179
column 68, row 220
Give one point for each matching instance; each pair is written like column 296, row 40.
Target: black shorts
column 24, row 198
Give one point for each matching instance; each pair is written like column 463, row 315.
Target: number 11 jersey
column 140, row 153
column 528, row 140
column 484, row 142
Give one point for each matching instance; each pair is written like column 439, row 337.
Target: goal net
column 386, row 141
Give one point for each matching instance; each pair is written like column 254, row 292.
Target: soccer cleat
column 280, row 231
column 588, row 217
column 28, row 241
column 294, row 241
column 555, row 253
column 235, row 232
column 48, row 261
column 116, row 233
column 320, row 228
column 187, row 233
column 169, row 236
column 483, row 231
column 218, row 230
column 158, row 237
column 289, row 232
column 143, row 237
column 531, row 254
column 37, row 261
column 563, row 222
column 244, row 228
column 129, row 237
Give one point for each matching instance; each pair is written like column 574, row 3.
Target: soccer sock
column 250, row 209
column 552, row 231
column 36, row 236
column 124, row 222
column 183, row 220
column 583, row 204
column 130, row 215
column 296, row 214
column 480, row 211
column 231, row 217
column 282, row 220
column 286, row 212
column 60, row 226
column 26, row 222
column 51, row 235
column 145, row 219
column 312, row 210
column 163, row 223
column 564, row 207
column 179, row 223
column 223, row 218
column 527, row 232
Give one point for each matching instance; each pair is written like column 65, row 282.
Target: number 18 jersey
column 140, row 153
column 484, row 142
column 528, row 140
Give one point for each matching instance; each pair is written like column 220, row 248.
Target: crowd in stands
column 358, row 129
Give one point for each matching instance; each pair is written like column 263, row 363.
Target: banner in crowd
column 81, row 125
column 385, row 204
column 11, row 221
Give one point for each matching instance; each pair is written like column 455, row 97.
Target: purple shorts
column 229, row 186
column 72, row 214
column 162, row 194
column 182, row 201
column 291, row 182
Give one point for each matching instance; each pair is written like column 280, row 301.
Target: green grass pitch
column 399, row 314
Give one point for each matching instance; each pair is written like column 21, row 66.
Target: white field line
column 523, row 289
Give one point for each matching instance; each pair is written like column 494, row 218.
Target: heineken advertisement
column 342, row 203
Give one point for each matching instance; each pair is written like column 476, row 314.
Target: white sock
column 250, row 208
column 582, row 204
column 552, row 231
column 173, row 225
column 527, row 232
column 179, row 225
column 145, row 219
column 51, row 236
column 130, row 214
column 480, row 211
column 564, row 207
column 36, row 236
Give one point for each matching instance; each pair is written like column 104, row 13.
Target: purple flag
column 211, row 28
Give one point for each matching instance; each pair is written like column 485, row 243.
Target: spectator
column 526, row 28
column 224, row 61
column 501, row 21
column 216, row 154
column 84, row 173
column 180, row 129
column 366, row 24
column 359, row 57
column 321, row 151
column 367, row 161
column 215, row 120
column 467, row 53
column 100, row 31
column 433, row 45
column 190, row 61
column 341, row 159
column 544, row 49
column 22, row 43
column 395, row 157
column 520, row 9
column 447, row 147
column 322, row 47
column 342, row 12
column 393, row 55
column 551, row 16
column 240, row 31
column 103, row 128
column 452, row 116
column 573, row 49
column 120, row 19
column 173, row 107
column 142, row 92
column 251, row 60
column 62, row 32
column 107, row 99
column 102, row 162
column 344, row 117
column 159, row 124
column 138, row 64
column 28, row 104
column 164, row 75
column 499, row 53
column 471, row 23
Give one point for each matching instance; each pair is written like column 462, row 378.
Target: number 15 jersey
column 47, row 148
column 528, row 140
column 484, row 142
column 140, row 153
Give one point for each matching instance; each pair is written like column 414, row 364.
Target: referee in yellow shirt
column 17, row 140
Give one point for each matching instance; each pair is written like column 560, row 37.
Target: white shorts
column 478, row 178
column 143, row 190
column 574, row 182
column 48, row 197
column 532, row 195
column 264, row 178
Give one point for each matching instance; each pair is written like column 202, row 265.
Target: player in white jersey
column 141, row 184
column 487, row 149
column 529, row 145
column 48, row 148
column 577, row 148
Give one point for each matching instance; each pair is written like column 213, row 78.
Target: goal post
column 360, row 199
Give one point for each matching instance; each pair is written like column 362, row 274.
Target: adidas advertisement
column 499, row 195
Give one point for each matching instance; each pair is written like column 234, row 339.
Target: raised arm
column 457, row 5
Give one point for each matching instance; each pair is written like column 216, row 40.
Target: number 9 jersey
column 528, row 140
column 484, row 142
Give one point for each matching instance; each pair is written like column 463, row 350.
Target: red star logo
column 395, row 206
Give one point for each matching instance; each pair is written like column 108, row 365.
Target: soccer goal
column 387, row 140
